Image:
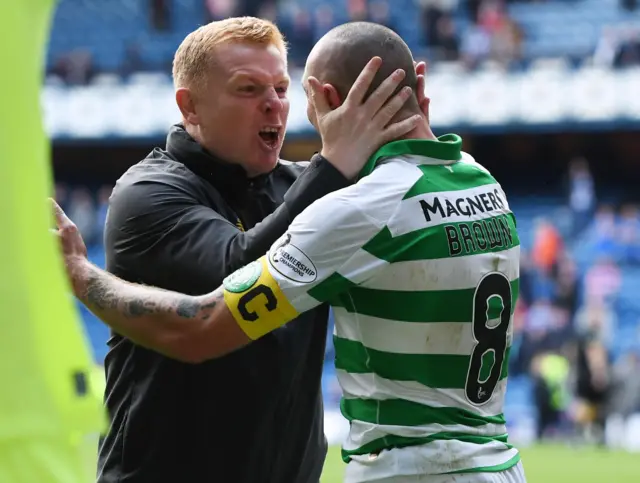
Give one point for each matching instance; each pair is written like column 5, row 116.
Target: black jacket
column 256, row 415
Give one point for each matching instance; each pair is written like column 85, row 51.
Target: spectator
column 506, row 44
column 357, row 10
column 75, row 67
column 133, row 61
column 82, row 212
column 250, row 8
column 220, row 9
column 447, row 42
column 628, row 54
column 62, row 194
column 526, row 277
column 547, row 246
column 550, row 375
column 629, row 233
column 491, row 16
column 101, row 213
column 325, row 20
column 476, row 46
column 603, row 280
column 602, row 235
column 160, row 15
column 593, row 383
column 582, row 195
column 299, row 32
column 597, row 319
column 607, row 47
column 565, row 296
column 431, row 12
column 380, row 13
column 542, row 332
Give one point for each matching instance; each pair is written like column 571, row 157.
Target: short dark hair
column 354, row 44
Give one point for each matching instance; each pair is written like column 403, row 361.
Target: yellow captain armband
column 256, row 301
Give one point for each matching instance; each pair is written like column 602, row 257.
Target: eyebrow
column 252, row 78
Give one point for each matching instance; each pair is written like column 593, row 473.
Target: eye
column 282, row 89
column 248, row 88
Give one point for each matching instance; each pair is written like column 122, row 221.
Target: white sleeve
column 306, row 262
column 321, row 254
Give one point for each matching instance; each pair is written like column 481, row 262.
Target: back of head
column 344, row 51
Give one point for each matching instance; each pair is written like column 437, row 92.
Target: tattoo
column 106, row 293
column 138, row 307
column 188, row 308
column 98, row 293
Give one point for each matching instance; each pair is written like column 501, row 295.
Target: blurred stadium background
column 546, row 94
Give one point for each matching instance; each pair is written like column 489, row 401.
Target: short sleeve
column 310, row 262
column 321, row 255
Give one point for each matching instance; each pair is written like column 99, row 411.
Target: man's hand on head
column 421, row 94
column 352, row 132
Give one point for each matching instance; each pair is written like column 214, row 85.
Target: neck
column 421, row 131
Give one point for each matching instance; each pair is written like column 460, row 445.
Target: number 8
column 488, row 338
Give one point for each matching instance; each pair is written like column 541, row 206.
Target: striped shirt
column 420, row 261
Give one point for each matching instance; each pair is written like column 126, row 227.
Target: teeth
column 269, row 129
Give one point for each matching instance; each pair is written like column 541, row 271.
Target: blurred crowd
column 87, row 208
column 569, row 321
column 471, row 32
column 489, row 32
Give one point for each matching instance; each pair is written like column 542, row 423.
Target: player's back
column 422, row 346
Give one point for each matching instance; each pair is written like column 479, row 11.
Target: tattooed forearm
column 149, row 316
column 104, row 292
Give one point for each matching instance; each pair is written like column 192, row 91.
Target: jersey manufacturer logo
column 244, row 278
column 291, row 262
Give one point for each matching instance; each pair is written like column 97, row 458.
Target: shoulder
column 375, row 197
column 466, row 158
column 157, row 176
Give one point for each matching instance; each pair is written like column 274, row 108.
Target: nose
column 273, row 102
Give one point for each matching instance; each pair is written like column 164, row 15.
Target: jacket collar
column 226, row 177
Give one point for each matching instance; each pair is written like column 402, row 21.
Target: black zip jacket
column 176, row 221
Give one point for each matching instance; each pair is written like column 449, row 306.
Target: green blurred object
column 48, row 407
column 555, row 369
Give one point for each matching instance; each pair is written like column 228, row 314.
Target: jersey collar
column 446, row 148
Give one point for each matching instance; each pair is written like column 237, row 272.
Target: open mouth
column 270, row 136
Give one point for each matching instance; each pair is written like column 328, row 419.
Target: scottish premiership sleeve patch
column 291, row 262
column 244, row 278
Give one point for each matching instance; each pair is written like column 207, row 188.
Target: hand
column 423, row 100
column 74, row 250
column 352, row 132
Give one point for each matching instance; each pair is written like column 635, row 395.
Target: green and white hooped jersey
column 420, row 262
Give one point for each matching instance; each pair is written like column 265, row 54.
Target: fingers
column 363, row 82
column 424, row 107
column 421, row 90
column 384, row 115
column 399, row 129
column 61, row 218
column 384, row 91
column 317, row 97
column 420, row 67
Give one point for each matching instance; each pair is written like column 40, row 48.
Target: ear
column 186, row 104
column 332, row 96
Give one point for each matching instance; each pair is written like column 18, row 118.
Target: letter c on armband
column 256, row 300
